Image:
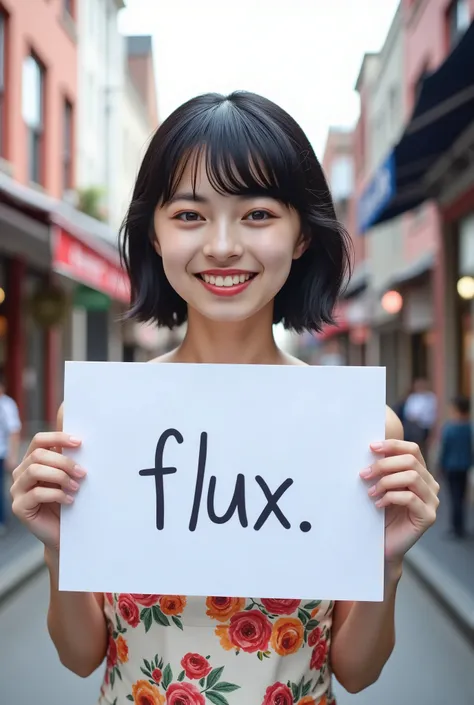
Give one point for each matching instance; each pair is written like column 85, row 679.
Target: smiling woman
column 232, row 229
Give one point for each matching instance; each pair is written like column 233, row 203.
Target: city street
column 432, row 664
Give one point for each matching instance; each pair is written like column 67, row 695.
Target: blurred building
column 74, row 119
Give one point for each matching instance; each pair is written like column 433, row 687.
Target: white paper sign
column 234, row 480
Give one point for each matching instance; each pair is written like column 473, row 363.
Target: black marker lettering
column 199, row 481
column 237, row 502
column 159, row 472
column 272, row 505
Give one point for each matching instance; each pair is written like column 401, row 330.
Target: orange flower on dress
column 172, row 604
column 222, row 632
column 146, row 694
column 122, row 649
column 222, row 608
column 287, row 636
column 308, row 700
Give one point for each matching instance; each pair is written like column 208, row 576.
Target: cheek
column 276, row 254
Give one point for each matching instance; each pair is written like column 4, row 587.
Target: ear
column 300, row 247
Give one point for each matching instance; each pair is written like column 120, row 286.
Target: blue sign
column 378, row 194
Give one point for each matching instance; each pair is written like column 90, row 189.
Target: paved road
column 432, row 663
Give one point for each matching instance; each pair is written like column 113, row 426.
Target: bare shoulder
column 393, row 425
column 60, row 418
column 291, row 360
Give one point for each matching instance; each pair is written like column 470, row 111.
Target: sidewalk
column 21, row 555
column 447, row 565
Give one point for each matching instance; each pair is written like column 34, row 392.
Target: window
column 342, row 178
column 3, row 23
column 458, row 20
column 33, row 115
column 68, row 146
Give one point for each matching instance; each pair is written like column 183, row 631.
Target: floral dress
column 176, row 650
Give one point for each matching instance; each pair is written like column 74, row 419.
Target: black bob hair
column 251, row 147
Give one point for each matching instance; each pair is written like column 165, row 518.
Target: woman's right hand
column 44, row 480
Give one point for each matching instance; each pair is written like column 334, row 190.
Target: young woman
column 232, row 229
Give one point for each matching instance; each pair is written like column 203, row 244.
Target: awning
column 443, row 112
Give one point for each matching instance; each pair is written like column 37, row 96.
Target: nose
column 223, row 243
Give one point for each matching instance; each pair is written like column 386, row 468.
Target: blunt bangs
column 251, row 147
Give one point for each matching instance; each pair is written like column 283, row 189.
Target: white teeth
column 229, row 280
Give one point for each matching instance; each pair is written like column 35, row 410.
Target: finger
column 41, row 456
column 410, row 480
column 36, row 474
column 27, row 503
column 54, row 439
column 395, row 463
column 405, row 498
column 394, row 446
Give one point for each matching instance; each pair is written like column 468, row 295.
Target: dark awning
column 444, row 110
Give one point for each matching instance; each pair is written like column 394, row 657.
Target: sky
column 303, row 54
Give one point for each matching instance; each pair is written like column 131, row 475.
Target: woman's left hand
column 401, row 482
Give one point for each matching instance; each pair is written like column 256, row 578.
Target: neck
column 243, row 342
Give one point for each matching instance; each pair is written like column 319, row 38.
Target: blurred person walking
column 420, row 412
column 455, row 460
column 10, row 427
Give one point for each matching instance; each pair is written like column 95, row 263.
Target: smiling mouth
column 227, row 280
column 226, row 284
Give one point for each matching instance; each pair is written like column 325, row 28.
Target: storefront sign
column 77, row 260
column 227, row 492
column 377, row 195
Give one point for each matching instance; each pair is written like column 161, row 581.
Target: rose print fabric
column 177, row 650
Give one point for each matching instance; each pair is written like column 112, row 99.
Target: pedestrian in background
column 455, row 461
column 232, row 229
column 10, row 427
column 420, row 412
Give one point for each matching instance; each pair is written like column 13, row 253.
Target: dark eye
column 188, row 217
column 259, row 215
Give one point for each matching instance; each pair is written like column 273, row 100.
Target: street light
column 392, row 302
column 465, row 287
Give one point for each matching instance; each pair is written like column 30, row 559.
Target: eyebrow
column 188, row 196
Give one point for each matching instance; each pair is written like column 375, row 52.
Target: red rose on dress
column 146, row 600
column 111, row 653
column 278, row 694
column 319, row 655
column 156, row 674
column 250, row 631
column 280, row 606
column 184, row 694
column 128, row 610
column 195, row 666
column 314, row 637
column 110, row 598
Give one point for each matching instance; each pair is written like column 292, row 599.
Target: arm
column 364, row 632
column 76, row 622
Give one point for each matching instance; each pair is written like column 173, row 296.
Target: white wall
column 101, row 80
column 135, row 135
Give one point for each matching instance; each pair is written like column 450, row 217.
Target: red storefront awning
column 75, row 259
column 341, row 320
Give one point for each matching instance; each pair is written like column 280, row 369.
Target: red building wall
column 41, row 27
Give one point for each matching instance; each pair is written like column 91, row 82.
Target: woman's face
column 226, row 256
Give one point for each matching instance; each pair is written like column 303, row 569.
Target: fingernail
column 69, row 499
column 73, row 485
column 80, row 472
column 366, row 472
column 373, row 490
column 376, row 446
column 378, row 503
column 74, row 440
